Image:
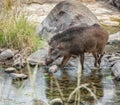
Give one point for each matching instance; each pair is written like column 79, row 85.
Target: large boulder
column 115, row 3
column 64, row 15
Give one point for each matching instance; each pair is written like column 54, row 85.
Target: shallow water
column 21, row 92
column 49, row 86
column 100, row 82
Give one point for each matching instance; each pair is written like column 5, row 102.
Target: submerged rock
column 37, row 102
column 6, row 54
column 64, row 15
column 56, row 101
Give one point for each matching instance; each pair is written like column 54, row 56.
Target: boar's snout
column 48, row 61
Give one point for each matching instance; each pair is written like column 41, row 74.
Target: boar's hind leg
column 65, row 60
column 96, row 56
column 82, row 60
column 100, row 57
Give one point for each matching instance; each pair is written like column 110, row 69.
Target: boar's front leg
column 65, row 60
column 96, row 56
column 82, row 60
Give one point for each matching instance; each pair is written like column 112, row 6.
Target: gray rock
column 18, row 76
column 10, row 70
column 64, row 15
column 115, row 3
column 37, row 57
column 19, row 61
column 37, row 102
column 116, row 70
column 6, row 54
column 56, row 101
column 33, row 62
column 114, row 38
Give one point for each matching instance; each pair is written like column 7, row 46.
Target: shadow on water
column 60, row 84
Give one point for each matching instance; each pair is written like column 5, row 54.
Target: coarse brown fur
column 77, row 41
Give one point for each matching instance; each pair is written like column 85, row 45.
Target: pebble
column 37, row 102
column 10, row 70
column 19, row 61
column 53, row 69
column 33, row 62
column 6, row 54
column 56, row 101
column 18, row 76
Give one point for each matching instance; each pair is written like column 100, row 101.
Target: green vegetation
column 15, row 30
column 112, row 29
column 18, row 33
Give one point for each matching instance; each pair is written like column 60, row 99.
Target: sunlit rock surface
column 64, row 15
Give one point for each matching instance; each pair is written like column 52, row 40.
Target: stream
column 49, row 86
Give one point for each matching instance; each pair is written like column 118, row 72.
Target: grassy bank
column 15, row 31
column 112, row 29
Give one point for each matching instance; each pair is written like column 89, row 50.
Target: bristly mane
column 69, row 33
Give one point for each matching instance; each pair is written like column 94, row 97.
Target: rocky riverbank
column 37, row 12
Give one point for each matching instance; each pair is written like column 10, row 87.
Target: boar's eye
column 51, row 49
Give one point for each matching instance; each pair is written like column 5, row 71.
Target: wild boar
column 76, row 41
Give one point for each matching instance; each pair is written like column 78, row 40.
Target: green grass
column 112, row 29
column 15, row 31
column 18, row 33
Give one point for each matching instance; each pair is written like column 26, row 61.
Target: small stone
column 10, row 70
column 95, row 68
column 33, row 62
column 19, row 61
column 37, row 102
column 56, row 101
column 18, row 76
column 53, row 68
column 6, row 54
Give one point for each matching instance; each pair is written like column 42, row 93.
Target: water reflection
column 21, row 92
column 60, row 85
